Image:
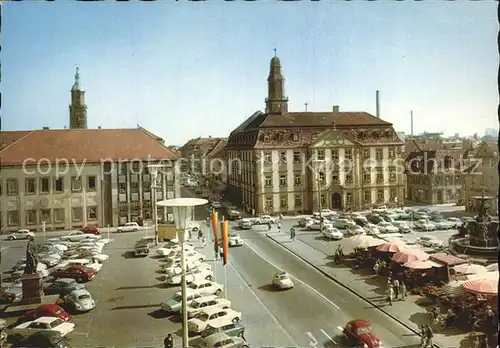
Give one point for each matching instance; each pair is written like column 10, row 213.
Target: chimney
column 378, row 102
column 335, row 108
column 411, row 120
column 45, row 128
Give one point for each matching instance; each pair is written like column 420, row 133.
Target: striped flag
column 225, row 227
column 215, row 225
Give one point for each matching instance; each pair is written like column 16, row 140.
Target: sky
column 184, row 70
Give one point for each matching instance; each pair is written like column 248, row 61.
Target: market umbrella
column 454, row 288
column 392, row 247
column 482, row 287
column 470, row 268
column 363, row 241
column 492, row 268
column 409, row 255
column 426, row 264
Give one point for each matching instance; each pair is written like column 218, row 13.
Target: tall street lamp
column 153, row 170
column 183, row 210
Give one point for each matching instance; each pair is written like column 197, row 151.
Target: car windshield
column 56, row 323
column 193, row 286
column 234, row 235
column 84, row 296
column 177, row 298
column 364, row 330
column 202, row 317
column 195, row 304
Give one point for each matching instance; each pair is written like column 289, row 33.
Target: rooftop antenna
column 306, row 105
column 275, row 52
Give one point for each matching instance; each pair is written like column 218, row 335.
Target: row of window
column 437, row 179
column 33, row 186
column 50, row 216
column 348, row 199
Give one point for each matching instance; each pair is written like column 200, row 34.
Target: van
column 226, row 326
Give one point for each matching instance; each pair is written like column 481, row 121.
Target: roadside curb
column 348, row 288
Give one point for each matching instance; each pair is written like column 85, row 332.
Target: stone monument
column 31, row 281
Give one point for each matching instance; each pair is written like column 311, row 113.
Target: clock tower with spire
column 77, row 109
column 276, row 102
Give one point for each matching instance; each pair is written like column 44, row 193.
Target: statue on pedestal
column 31, row 258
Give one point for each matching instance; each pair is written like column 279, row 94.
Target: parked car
column 456, row 222
column 221, row 339
column 380, row 209
column 266, row 219
column 304, row 221
column 234, row 240
column 63, row 286
column 360, row 333
column 175, row 303
column 21, row 234
column 443, row 224
column 207, row 316
column 430, row 241
column 91, row 229
column 226, row 326
column 402, row 226
column 79, row 262
column 332, row 234
column 79, row 301
column 205, row 287
column 343, row 224
column 168, row 248
column 234, row 215
column 196, row 306
column 45, row 310
column 374, row 218
column 425, row 225
column 42, row 324
column 128, row 227
column 80, row 273
column 191, row 276
column 75, row 236
column 372, row 229
column 246, row 223
column 216, row 205
column 43, row 339
column 316, row 225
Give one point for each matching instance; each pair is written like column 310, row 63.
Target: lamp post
column 183, row 210
column 153, row 169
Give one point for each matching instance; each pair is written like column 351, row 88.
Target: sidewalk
column 369, row 287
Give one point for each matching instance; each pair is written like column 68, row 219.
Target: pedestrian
column 204, row 241
column 189, row 234
column 376, row 267
column 169, row 341
column 200, row 234
column 216, row 254
column 402, row 290
column 391, row 295
column 279, row 226
column 269, row 226
column 292, row 234
column 428, row 337
column 395, row 283
column 423, row 333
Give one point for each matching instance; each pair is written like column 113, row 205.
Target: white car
column 282, row 281
column 128, row 227
column 174, row 304
column 191, row 276
column 246, row 223
column 234, row 239
column 56, row 246
column 75, row 236
column 175, row 268
column 79, row 300
column 304, row 221
column 205, row 302
column 372, row 229
column 21, row 234
column 380, row 209
column 189, row 256
column 166, row 250
column 325, row 212
column 266, row 219
column 79, row 262
column 206, row 287
column 387, row 227
column 332, row 233
column 317, row 225
column 456, row 222
column 402, row 226
column 50, row 260
column 206, row 316
column 430, row 241
column 356, row 229
column 343, row 223
column 425, row 225
column 444, row 225
column 216, row 205
column 41, row 269
column 43, row 324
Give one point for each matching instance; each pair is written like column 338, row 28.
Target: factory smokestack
column 411, row 120
column 378, row 103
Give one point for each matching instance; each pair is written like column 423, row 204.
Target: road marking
column 271, row 315
column 327, row 336
column 292, row 276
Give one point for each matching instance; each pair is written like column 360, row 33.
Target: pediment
column 333, row 139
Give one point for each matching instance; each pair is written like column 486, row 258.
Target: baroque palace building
column 70, row 178
column 294, row 162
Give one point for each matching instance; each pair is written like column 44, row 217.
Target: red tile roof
column 84, row 146
column 447, row 259
column 322, row 119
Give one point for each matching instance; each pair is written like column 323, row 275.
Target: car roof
column 65, row 280
column 212, row 310
column 358, row 323
column 219, row 336
column 200, row 281
column 221, row 322
column 79, row 292
column 206, row 298
column 47, row 320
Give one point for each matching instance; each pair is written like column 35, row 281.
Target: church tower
column 77, row 109
column 276, row 102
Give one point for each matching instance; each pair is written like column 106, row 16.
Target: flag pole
column 225, row 269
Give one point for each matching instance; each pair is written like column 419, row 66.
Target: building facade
column 481, row 177
column 294, row 162
column 44, row 176
column 194, row 155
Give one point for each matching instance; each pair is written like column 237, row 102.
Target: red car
column 79, row 273
column 91, row 229
column 46, row 310
column 360, row 333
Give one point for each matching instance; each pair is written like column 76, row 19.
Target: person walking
column 168, row 342
column 269, row 226
column 203, row 241
column 395, row 284
column 391, row 295
column 200, row 234
column 402, row 290
column 423, row 333
column 428, row 337
column 279, row 226
column 292, row 234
